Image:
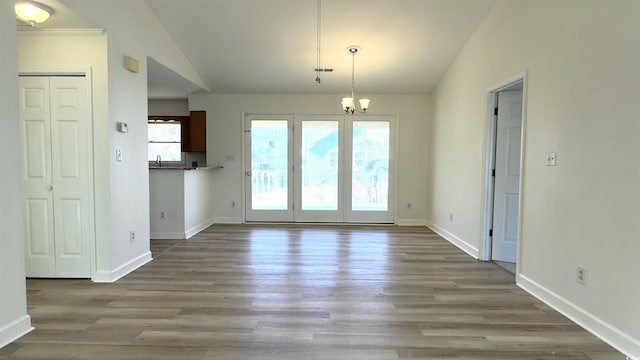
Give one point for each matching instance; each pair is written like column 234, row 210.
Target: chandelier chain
column 353, row 76
column 318, row 38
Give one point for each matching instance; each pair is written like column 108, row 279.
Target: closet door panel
column 70, row 173
column 37, row 182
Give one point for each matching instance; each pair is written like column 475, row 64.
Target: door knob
column 50, row 187
column 248, row 173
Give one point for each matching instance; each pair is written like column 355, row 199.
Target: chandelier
column 348, row 104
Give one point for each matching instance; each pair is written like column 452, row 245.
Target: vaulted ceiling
column 270, row 46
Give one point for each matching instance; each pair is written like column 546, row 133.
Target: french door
column 319, row 168
column 269, row 168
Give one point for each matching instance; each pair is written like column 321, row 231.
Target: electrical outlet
column 233, row 204
column 132, row 236
column 408, row 205
column 163, row 215
column 551, row 159
column 581, row 275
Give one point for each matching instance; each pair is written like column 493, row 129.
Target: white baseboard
column 227, row 220
column 411, row 222
column 121, row 271
column 196, row 229
column 15, row 330
column 463, row 245
column 167, row 235
column 603, row 330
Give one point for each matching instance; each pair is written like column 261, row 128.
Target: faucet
column 159, row 161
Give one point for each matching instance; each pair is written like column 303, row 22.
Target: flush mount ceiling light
column 32, row 12
column 348, row 103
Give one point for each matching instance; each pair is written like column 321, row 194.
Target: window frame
column 177, row 119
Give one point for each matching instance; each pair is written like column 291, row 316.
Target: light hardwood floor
column 301, row 292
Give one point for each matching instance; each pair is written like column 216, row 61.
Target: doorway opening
column 503, row 169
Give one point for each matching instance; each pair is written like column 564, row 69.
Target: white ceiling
column 62, row 18
column 164, row 83
column 269, row 46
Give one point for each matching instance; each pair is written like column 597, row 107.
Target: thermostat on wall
column 123, row 127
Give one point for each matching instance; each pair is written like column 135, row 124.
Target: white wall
column 121, row 188
column 14, row 321
column 129, row 178
column 582, row 60
column 169, row 107
column 198, row 201
column 73, row 51
column 132, row 30
column 166, row 194
column 225, row 140
column 138, row 31
column 185, row 198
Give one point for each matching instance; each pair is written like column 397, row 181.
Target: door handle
column 50, row 187
column 248, row 173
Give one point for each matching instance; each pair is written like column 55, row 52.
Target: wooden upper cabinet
column 194, row 132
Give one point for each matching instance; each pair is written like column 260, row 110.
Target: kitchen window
column 165, row 139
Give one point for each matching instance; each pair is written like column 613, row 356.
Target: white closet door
column 37, row 183
column 70, row 175
column 54, row 113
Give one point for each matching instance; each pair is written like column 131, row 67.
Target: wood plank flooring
column 301, row 292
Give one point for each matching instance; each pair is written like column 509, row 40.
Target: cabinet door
column 198, row 131
column 185, row 134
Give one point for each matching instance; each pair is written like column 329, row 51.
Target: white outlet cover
column 119, row 155
column 551, row 159
column 581, row 275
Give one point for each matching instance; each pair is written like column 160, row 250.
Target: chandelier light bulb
column 364, row 104
column 347, row 103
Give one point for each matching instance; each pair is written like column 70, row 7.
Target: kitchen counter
column 180, row 202
column 184, row 168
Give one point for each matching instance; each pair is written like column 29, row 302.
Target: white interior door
column 56, row 181
column 507, row 176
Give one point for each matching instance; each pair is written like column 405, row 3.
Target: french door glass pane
column 319, row 168
column 269, row 164
column 370, row 166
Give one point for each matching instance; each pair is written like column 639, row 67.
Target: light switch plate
column 551, row 159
